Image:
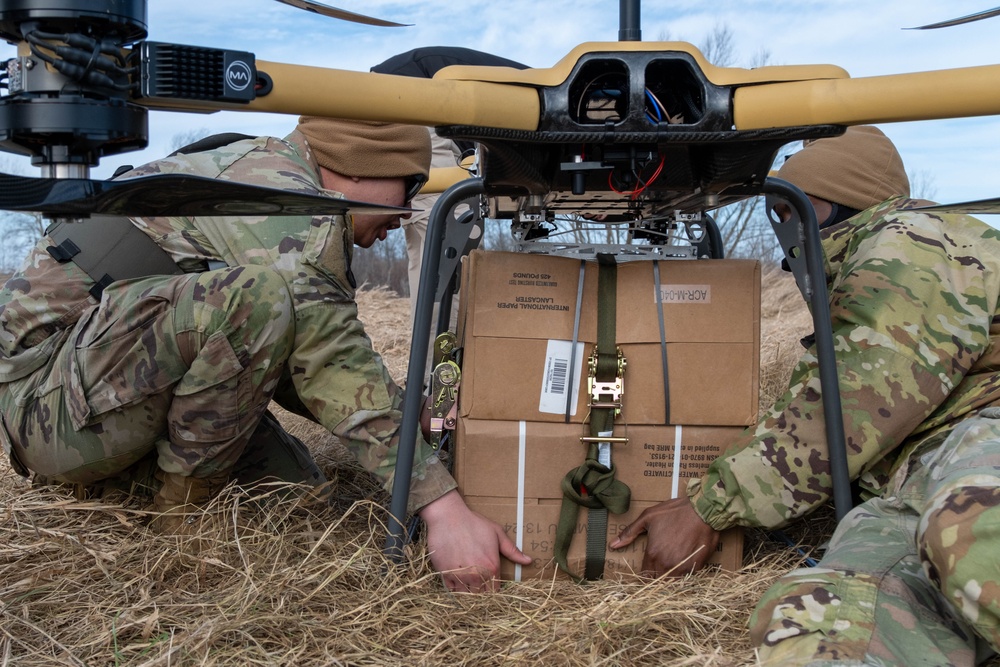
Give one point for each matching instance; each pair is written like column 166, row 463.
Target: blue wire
column 656, row 107
column 779, row 536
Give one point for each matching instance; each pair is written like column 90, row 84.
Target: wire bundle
column 83, row 59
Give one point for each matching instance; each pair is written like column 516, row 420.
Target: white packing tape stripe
column 675, row 483
column 519, row 536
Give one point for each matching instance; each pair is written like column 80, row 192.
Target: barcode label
column 556, row 377
column 559, row 369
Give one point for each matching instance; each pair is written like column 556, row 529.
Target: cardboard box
column 491, row 459
column 521, row 414
column 506, row 470
column 518, row 317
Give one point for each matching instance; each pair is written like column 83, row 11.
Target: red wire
column 635, row 193
column 656, row 174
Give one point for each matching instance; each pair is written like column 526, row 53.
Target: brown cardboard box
column 505, row 467
column 514, row 442
column 488, row 454
column 518, row 320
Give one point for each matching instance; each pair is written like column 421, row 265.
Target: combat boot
column 181, row 501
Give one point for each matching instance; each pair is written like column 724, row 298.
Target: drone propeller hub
column 68, row 103
column 123, row 21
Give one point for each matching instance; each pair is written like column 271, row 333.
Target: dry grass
column 280, row 583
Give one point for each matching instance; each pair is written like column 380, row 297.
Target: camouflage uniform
column 186, row 365
column 911, row 575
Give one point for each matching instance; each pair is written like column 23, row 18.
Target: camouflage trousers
column 173, row 371
column 912, row 578
column 271, row 455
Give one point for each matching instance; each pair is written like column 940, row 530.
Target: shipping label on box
column 512, row 472
column 520, row 318
column 516, row 295
column 563, row 362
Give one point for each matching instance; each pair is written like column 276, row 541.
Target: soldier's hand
column 465, row 547
column 678, row 541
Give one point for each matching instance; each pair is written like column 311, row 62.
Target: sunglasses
column 413, row 185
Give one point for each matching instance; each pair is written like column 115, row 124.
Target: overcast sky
column 960, row 158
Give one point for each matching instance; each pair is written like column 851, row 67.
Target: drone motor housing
column 122, row 21
column 67, row 101
column 74, row 96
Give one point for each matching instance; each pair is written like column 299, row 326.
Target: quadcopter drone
column 641, row 132
column 645, row 134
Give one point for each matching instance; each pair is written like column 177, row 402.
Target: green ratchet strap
column 593, row 484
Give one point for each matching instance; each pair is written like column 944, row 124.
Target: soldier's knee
column 252, row 297
column 789, row 608
column 795, row 622
column 250, row 307
column 815, row 615
column 957, row 540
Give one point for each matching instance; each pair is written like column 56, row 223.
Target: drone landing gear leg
column 799, row 238
column 416, row 370
column 462, row 235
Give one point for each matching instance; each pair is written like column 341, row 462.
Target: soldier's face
column 371, row 228
column 383, row 191
column 821, row 206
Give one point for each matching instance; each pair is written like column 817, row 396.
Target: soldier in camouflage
column 911, row 576
column 165, row 383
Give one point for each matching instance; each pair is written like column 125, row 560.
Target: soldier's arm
column 910, row 317
column 360, row 403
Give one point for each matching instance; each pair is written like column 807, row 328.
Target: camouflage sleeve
column 373, row 440
column 911, row 314
column 359, row 402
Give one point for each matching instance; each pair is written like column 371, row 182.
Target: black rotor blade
column 959, row 21
column 978, row 207
column 167, row 195
column 333, row 12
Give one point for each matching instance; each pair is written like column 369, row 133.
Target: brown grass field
column 280, row 583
